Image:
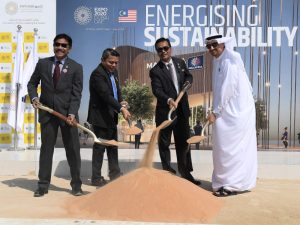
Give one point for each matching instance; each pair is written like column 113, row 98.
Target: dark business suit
column 103, row 115
column 65, row 98
column 163, row 88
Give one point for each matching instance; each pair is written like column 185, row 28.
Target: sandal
column 222, row 192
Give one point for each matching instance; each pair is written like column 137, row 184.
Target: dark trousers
column 72, row 147
column 111, row 151
column 180, row 129
column 137, row 141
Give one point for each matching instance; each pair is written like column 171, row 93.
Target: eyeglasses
column 64, row 45
column 161, row 49
column 214, row 45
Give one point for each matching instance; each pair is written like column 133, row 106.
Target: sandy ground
column 272, row 202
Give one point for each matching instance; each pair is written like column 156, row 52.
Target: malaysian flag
column 127, row 16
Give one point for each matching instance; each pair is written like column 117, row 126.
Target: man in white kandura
column 233, row 118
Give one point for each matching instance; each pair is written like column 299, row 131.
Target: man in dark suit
column 61, row 81
column 105, row 104
column 167, row 79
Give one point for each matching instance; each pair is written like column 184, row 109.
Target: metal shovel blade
column 132, row 130
column 198, row 138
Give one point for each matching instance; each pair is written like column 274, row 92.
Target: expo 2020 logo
column 11, row 8
column 83, row 15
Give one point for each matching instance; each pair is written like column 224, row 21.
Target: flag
column 26, row 75
column 29, row 67
column 12, row 119
column 127, row 16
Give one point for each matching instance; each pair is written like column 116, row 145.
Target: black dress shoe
column 77, row 191
column 196, row 182
column 171, row 170
column 99, row 182
column 40, row 192
column 111, row 178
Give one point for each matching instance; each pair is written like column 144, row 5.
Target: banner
column 29, row 14
column 266, row 33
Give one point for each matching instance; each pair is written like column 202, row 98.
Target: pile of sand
column 147, row 194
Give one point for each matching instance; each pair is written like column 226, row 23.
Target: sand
column 148, row 194
column 272, row 202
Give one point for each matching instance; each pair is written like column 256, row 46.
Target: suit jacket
column 103, row 107
column 163, row 88
column 67, row 95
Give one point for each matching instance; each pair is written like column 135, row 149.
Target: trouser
column 70, row 139
column 137, row 141
column 111, row 151
column 180, row 129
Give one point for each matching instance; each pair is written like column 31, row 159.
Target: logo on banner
column 83, row 15
column 195, row 62
column 127, row 16
column 100, row 14
column 11, row 8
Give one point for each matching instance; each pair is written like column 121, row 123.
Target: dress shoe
column 99, row 182
column 111, row 178
column 77, row 191
column 40, row 192
column 196, row 182
column 190, row 178
column 171, row 170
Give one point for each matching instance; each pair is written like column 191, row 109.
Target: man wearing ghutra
column 233, row 118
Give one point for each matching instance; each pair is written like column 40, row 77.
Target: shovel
column 147, row 160
column 197, row 138
column 62, row 117
column 132, row 130
column 168, row 122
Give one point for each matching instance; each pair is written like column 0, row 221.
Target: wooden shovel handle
column 57, row 114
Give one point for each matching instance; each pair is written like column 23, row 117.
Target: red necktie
column 56, row 73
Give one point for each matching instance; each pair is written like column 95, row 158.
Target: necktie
column 56, row 73
column 114, row 86
column 174, row 77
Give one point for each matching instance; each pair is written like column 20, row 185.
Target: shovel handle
column 57, row 114
column 203, row 129
column 176, row 101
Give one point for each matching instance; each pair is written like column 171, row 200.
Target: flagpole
column 19, row 27
column 35, row 110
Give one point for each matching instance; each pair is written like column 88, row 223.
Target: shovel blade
column 195, row 139
column 132, row 131
column 105, row 142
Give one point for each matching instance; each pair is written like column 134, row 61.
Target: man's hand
column 126, row 114
column 71, row 120
column 211, row 118
column 125, row 104
column 36, row 103
column 172, row 104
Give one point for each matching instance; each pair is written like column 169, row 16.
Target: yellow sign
column 5, row 77
column 28, row 117
column 3, row 117
column 5, row 138
column 5, row 57
column 28, row 138
column 4, row 98
column 28, row 37
column 43, row 47
column 5, row 37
